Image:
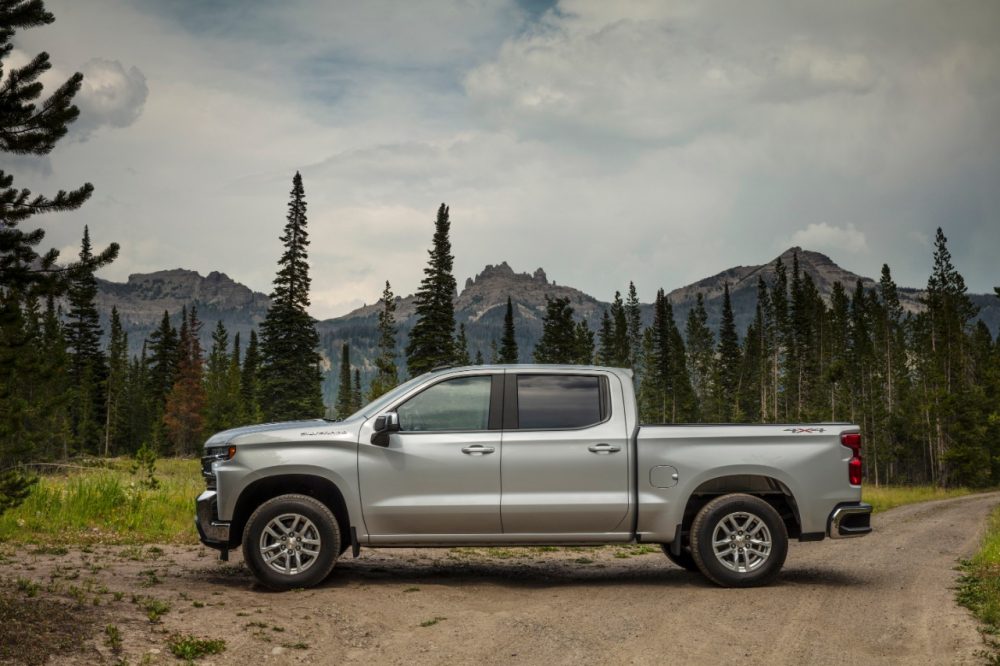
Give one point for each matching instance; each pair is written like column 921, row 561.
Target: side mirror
column 384, row 425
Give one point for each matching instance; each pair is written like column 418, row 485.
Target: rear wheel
column 739, row 541
column 291, row 541
column 685, row 560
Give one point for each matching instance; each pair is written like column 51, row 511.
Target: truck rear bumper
column 212, row 532
column 850, row 520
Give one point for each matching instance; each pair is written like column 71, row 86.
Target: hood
column 291, row 431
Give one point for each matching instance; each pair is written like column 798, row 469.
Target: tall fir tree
column 462, row 347
column 606, row 341
column 633, row 319
column 289, row 372
column 344, row 406
column 183, row 415
column 356, row 399
column 508, row 352
column 222, row 398
column 559, row 342
column 432, row 342
column 583, row 348
column 620, row 345
column 88, row 369
column 114, row 415
column 700, row 351
column 386, row 374
column 727, row 382
column 250, row 410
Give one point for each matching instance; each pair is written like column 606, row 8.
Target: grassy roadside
column 979, row 587
column 883, row 498
column 108, row 503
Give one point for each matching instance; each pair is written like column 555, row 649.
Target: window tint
column 456, row 404
column 557, row 401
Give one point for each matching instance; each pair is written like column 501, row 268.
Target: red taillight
column 852, row 440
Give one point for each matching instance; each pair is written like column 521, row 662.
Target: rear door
column 440, row 474
column 565, row 459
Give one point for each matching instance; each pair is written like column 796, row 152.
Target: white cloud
column 109, row 96
column 823, row 236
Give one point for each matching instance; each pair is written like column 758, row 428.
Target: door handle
column 604, row 448
column 477, row 449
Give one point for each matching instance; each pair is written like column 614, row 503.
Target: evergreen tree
column 386, row 374
column 138, row 419
column 479, row 357
column 249, row 387
column 559, row 342
column 621, row 351
column 606, row 341
column 222, row 398
column 727, row 381
column 55, row 390
column 633, row 319
column 583, row 353
column 183, row 415
column 117, row 377
column 88, row 369
column 431, row 342
column 289, row 372
column 462, row 347
column 700, row 351
column 508, row 342
column 344, row 406
column 163, row 349
column 356, row 401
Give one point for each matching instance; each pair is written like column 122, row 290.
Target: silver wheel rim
column 290, row 544
column 741, row 542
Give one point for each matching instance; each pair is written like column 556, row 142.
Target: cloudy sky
column 605, row 141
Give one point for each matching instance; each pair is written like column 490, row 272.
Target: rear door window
column 559, row 401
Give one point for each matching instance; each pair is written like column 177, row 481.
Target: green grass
column 108, row 505
column 884, row 498
column 979, row 587
column 191, row 648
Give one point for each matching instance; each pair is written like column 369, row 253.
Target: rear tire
column 739, row 541
column 291, row 541
column 685, row 560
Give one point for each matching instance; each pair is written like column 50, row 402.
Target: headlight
column 213, row 455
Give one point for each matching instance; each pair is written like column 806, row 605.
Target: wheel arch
column 759, row 483
column 269, row 487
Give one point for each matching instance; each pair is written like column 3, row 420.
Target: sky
column 658, row 142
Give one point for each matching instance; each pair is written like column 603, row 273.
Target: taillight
column 852, row 440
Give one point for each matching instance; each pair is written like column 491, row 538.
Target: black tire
column 685, row 560
column 324, row 526
column 719, row 568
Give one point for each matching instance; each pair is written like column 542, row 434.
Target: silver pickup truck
column 526, row 455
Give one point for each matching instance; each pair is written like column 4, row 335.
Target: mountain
column 481, row 305
column 143, row 298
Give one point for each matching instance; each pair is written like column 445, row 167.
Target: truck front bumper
column 213, row 532
column 850, row 520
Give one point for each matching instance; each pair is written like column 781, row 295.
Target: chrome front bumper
column 850, row 520
column 212, row 532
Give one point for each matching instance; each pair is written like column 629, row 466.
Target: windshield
column 382, row 401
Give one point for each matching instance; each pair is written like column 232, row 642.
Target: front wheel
column 291, row 541
column 739, row 541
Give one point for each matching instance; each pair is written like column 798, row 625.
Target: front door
column 440, row 474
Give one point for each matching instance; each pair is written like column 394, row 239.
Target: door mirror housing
column 384, row 425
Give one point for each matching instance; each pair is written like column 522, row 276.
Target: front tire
column 739, row 541
column 291, row 541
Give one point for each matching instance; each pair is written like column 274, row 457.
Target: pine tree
column 606, row 341
column 431, row 342
column 115, row 391
column 289, row 372
column 222, row 398
column 620, row 346
column 386, row 374
column 356, row 401
column 249, row 386
column 163, row 349
column 700, row 351
column 633, row 319
column 88, row 369
column 479, row 357
column 727, row 381
column 138, row 419
column 508, row 342
column 559, row 342
column 344, row 406
column 183, row 415
column 462, row 347
column 583, row 348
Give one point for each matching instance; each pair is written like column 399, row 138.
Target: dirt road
column 887, row 598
